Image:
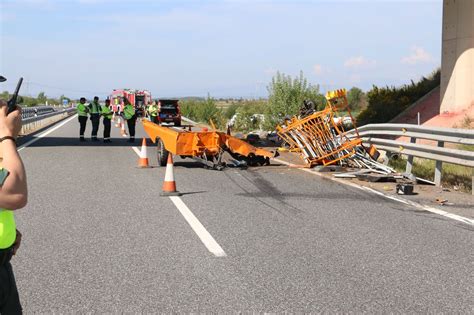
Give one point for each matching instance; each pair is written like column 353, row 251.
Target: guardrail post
column 410, row 158
column 438, row 167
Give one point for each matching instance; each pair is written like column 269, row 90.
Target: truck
column 138, row 98
column 169, row 112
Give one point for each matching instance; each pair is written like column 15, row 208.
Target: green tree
column 249, row 115
column 384, row 104
column 4, row 95
column 355, row 98
column 42, row 98
column 231, row 110
column 203, row 111
column 286, row 96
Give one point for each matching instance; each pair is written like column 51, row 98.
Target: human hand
column 10, row 124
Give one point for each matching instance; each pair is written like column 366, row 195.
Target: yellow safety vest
column 7, row 229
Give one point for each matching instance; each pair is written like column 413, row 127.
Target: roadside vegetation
column 286, row 96
column 41, row 99
column 385, row 103
column 453, row 176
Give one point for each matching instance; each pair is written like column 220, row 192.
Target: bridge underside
column 457, row 65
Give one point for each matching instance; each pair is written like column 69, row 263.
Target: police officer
column 131, row 117
column 153, row 112
column 94, row 109
column 82, row 111
column 13, row 195
column 107, row 114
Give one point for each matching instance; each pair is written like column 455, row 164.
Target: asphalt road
column 97, row 237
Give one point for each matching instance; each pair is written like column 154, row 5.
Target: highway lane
column 98, row 238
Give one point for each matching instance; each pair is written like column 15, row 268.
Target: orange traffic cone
column 143, row 160
column 123, row 132
column 169, row 185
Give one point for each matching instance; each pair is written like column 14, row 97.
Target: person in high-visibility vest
column 82, row 113
column 94, row 109
column 107, row 114
column 131, row 117
column 153, row 112
column 13, row 196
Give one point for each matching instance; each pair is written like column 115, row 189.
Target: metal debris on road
column 320, row 137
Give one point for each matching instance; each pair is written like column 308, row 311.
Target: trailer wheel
column 161, row 152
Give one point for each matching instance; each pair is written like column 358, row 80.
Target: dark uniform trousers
column 95, row 124
column 106, row 128
column 9, row 299
column 131, row 125
column 83, row 124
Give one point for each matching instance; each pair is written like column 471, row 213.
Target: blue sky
column 225, row 48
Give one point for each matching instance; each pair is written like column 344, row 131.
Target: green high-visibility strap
column 7, row 229
column 82, row 109
column 106, row 112
column 94, row 108
column 128, row 111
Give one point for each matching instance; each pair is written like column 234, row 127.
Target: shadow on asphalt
column 194, row 192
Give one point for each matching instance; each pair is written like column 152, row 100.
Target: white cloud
column 419, row 55
column 359, row 62
column 318, row 69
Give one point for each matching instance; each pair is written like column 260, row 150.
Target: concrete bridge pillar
column 457, row 64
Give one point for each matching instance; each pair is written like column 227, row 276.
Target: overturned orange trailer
column 206, row 147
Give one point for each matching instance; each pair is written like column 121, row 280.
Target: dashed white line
column 199, row 229
column 394, row 198
column 47, row 132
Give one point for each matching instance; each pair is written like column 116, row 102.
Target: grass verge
column 452, row 176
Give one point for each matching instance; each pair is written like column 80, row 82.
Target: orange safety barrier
column 320, row 137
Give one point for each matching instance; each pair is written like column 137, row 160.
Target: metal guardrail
column 33, row 122
column 27, row 112
column 384, row 137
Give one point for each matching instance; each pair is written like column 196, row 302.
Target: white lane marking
column 198, row 228
column 47, row 132
column 138, row 152
column 398, row 199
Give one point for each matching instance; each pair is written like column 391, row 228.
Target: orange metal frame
column 317, row 137
column 197, row 143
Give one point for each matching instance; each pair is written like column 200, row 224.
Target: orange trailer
column 206, row 147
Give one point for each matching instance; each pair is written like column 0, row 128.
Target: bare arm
column 13, row 192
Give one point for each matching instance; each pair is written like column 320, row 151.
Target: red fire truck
column 138, row 98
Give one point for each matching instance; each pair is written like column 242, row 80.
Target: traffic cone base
column 169, row 185
column 143, row 160
column 143, row 163
column 168, row 194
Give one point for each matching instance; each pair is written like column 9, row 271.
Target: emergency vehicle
column 138, row 98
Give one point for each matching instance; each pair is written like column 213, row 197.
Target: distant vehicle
column 169, row 112
column 138, row 98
